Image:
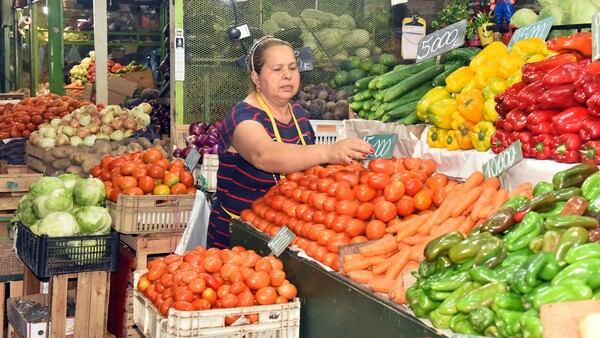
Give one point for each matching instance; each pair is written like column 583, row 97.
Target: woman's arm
column 254, row 144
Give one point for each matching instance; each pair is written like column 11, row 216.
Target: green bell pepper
column 438, row 295
column 519, row 236
column 437, row 276
column 448, row 306
column 507, row 301
column 425, row 269
column 492, row 331
column 591, row 186
column 594, row 205
column 492, row 253
column 481, row 296
column 536, row 244
column 499, row 221
column 460, row 324
column 538, row 267
column 527, row 299
column 517, row 257
column 450, row 283
column 565, row 222
column 440, row 245
column 507, row 322
column 550, row 241
column 574, row 176
column 558, row 208
column 546, row 201
column 531, row 325
column 567, row 290
column 421, row 304
column 514, row 202
column 483, row 275
column 506, row 273
column 583, row 251
column 572, row 238
column 480, row 318
column 585, row 270
column 596, row 295
column 439, row 320
column 478, row 247
column 542, row 187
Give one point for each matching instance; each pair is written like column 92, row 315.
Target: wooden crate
column 34, row 159
column 14, row 185
column 181, row 132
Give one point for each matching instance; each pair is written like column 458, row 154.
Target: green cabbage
column 546, row 3
column 582, row 11
column 89, row 191
column 69, row 180
column 45, row 185
column 93, row 220
column 25, row 212
column 523, row 17
column 58, row 224
column 57, row 200
column 86, row 251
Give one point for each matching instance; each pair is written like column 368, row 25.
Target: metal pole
column 101, row 50
column 18, row 48
column 33, row 48
column 55, row 47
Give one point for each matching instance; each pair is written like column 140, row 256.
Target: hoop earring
column 258, row 89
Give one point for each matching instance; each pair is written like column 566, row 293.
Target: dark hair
column 255, row 59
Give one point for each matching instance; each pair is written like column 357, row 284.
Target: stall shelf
column 331, row 305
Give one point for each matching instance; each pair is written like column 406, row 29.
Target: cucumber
column 356, row 74
column 368, row 104
column 449, row 68
column 373, row 83
column 379, row 113
column 411, row 119
column 364, row 95
column 362, row 114
column 357, row 105
column 363, row 83
column 413, row 95
column 391, row 78
column 376, row 104
column 380, row 94
column 403, row 110
column 414, row 81
column 385, row 118
column 463, row 54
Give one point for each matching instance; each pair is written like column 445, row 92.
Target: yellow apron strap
column 231, row 214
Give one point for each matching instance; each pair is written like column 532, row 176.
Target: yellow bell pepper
column 463, row 137
column 489, row 110
column 440, row 113
column 470, row 86
column 433, row 95
column 460, row 123
column 458, row 79
column 489, row 55
column 535, row 58
column 484, row 74
column 528, row 47
column 510, row 64
column 435, row 137
column 450, row 141
column 470, row 105
column 516, row 77
column 496, row 85
column 481, row 135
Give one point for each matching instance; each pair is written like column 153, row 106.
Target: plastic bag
column 197, row 227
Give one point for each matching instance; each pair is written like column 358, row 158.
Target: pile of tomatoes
column 327, row 207
column 204, row 279
column 19, row 120
column 143, row 173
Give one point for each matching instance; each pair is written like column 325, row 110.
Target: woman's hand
column 346, row 150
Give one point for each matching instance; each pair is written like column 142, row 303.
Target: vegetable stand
column 331, row 304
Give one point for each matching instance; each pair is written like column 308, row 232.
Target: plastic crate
column 150, row 214
column 47, row 256
column 326, row 131
column 206, row 174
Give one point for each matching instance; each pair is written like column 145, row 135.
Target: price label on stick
column 281, row 240
column 595, row 36
column 538, row 29
column 191, row 160
column 384, row 145
column 498, row 165
column 304, row 57
column 441, row 41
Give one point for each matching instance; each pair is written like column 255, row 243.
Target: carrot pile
column 380, row 263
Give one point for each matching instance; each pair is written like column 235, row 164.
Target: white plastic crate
column 326, row 131
column 206, row 173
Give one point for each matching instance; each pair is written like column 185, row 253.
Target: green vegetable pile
column 565, row 12
column 66, row 205
column 529, row 253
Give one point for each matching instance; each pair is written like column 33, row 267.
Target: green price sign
column 538, row 29
column 595, row 37
column 281, row 240
column 498, row 165
column 384, row 145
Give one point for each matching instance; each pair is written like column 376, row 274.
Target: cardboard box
column 32, row 329
column 119, row 89
column 562, row 319
column 143, row 79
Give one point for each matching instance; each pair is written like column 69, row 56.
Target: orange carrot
column 445, row 210
column 417, row 239
column 475, row 179
column 416, row 251
column 357, row 264
column 361, row 276
column 468, row 210
column 483, row 200
column 464, row 200
column 426, row 211
column 524, row 189
column 483, row 212
column 491, row 182
column 398, row 295
column 383, row 266
column 411, row 265
column 383, row 285
column 411, row 228
column 466, row 225
column 451, row 224
column 379, row 247
column 499, row 198
column 352, row 256
column 396, row 266
column 378, row 259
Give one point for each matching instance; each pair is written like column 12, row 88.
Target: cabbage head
column 546, row 3
column 89, row 191
column 69, row 179
column 45, row 185
column 25, row 212
column 93, row 220
column 523, row 17
column 582, row 11
column 58, row 224
column 87, row 251
column 57, row 200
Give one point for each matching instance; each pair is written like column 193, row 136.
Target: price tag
column 304, row 57
column 12, row 185
column 384, row 145
column 538, row 29
column 595, row 36
column 281, row 240
column 498, row 165
column 441, row 41
column 191, row 161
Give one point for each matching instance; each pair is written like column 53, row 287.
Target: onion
column 191, row 139
column 75, row 141
column 101, row 135
column 96, row 120
column 210, row 140
column 127, row 133
column 49, row 132
column 74, row 123
column 90, row 109
column 45, row 142
column 117, row 135
column 82, row 132
column 67, row 118
column 76, row 114
column 107, row 118
column 185, row 152
column 34, row 138
column 68, row 130
column 144, row 119
column 129, row 124
column 117, row 123
column 55, row 122
column 89, row 140
column 214, row 149
column 106, row 130
column 177, row 152
column 85, row 119
column 218, row 124
column 198, row 128
column 61, row 140
column 94, row 128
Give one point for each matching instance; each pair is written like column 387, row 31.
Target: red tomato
column 146, row 183
column 183, row 306
column 288, row 291
column 266, row 295
column 346, row 207
column 393, row 191
column 405, row 206
column 385, row 211
column 422, row 200
column 411, row 163
column 152, row 155
column 156, row 171
column 382, row 165
column 375, row 229
column 428, row 166
column 365, row 211
column 133, row 191
column 347, row 176
column 344, row 192
column 179, row 189
column 364, row 193
column 413, row 186
column 379, row 180
column 355, row 227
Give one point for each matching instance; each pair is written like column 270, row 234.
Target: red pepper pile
column 554, row 112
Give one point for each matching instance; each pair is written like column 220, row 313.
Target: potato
column 62, row 152
column 144, row 142
column 75, row 169
column 62, row 164
column 86, row 167
column 134, row 147
column 120, row 151
column 48, row 158
column 101, row 147
column 76, row 158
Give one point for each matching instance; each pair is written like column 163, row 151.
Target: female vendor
column 266, row 136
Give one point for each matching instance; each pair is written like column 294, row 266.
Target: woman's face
column 279, row 78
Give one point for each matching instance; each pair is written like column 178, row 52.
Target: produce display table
column 332, row 305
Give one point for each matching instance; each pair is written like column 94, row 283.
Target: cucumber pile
column 354, row 69
column 393, row 96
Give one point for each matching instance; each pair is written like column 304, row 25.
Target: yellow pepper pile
column 462, row 112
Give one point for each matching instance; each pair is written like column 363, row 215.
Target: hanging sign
column 538, row 29
column 281, row 240
column 304, row 57
column 384, row 145
column 192, row 159
column 498, row 165
column 441, row 41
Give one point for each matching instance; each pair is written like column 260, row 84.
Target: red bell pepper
column 569, row 120
column 528, row 97
column 499, row 123
column 580, row 96
column 593, row 67
column 507, row 99
column 541, row 146
column 538, row 122
column 500, row 140
column 563, row 74
column 565, row 148
column 535, row 71
column 558, row 97
column 525, row 137
column 593, row 104
column 590, row 129
column 589, row 152
column 580, row 43
column 515, row 120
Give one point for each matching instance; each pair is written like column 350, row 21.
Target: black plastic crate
column 47, row 256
